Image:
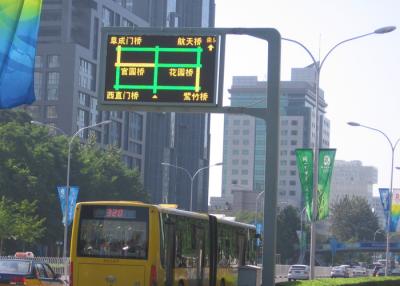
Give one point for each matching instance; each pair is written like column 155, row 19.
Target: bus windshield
column 113, row 232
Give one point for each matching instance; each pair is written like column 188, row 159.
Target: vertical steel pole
column 271, row 161
column 313, row 239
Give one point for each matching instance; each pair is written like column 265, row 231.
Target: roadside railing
column 56, row 263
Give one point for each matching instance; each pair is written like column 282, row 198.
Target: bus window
column 115, row 232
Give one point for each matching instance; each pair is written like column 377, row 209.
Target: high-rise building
column 66, row 73
column 66, row 80
column 179, row 139
column 245, row 137
column 351, row 178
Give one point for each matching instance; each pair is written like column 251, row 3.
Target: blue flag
column 72, row 196
column 19, row 24
column 384, row 194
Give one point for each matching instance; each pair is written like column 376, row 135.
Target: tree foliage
column 288, row 222
column 353, row 220
column 19, row 221
column 33, row 163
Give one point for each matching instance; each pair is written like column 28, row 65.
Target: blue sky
column 360, row 78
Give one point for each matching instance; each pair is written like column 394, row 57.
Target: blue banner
column 19, row 24
column 384, row 194
column 72, row 196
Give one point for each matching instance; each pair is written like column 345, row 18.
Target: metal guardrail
column 56, row 263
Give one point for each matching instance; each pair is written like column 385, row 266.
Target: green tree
column 28, row 226
column 6, row 221
column 288, row 222
column 33, row 162
column 19, row 221
column 353, row 220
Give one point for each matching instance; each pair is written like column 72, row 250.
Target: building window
column 235, row 172
column 245, row 162
column 51, row 112
column 236, row 132
column 136, row 126
column 53, row 61
column 235, row 152
column 87, row 75
column 236, row 122
column 245, row 172
column 244, row 182
column 108, row 17
column 84, row 99
column 129, row 5
column 80, row 120
column 38, row 82
column 293, row 132
column 294, row 122
column 292, row 183
column 53, row 82
column 126, row 23
column 292, row 193
column 245, row 132
column 245, row 152
column 235, row 142
column 245, row 142
column 293, row 142
column 293, row 173
column 293, row 163
column 235, row 162
column 246, row 122
column 38, row 62
column 135, row 148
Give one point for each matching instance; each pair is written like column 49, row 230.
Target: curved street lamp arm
column 342, row 42
column 49, row 126
column 307, row 50
column 383, row 133
column 178, row 167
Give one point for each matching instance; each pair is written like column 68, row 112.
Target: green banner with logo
column 325, row 168
column 304, row 159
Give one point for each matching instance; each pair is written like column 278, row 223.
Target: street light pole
column 49, row 126
column 191, row 177
column 388, row 218
column 376, row 231
column 67, row 189
column 318, row 66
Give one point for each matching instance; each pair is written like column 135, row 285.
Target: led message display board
column 151, row 69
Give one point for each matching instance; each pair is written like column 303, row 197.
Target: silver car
column 298, row 272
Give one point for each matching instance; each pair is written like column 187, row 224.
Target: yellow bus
column 123, row 243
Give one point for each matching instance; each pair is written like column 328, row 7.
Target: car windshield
column 14, row 266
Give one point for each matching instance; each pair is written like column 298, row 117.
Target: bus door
column 170, row 252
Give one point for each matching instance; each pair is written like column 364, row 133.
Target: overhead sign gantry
column 182, row 70
column 153, row 69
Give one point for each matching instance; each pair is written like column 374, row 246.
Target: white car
column 359, row 271
column 299, row 272
column 340, row 271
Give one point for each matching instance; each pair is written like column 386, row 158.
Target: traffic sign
column 160, row 69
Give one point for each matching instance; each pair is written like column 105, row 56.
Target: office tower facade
column 179, row 139
column 245, row 137
column 351, row 178
column 67, row 75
